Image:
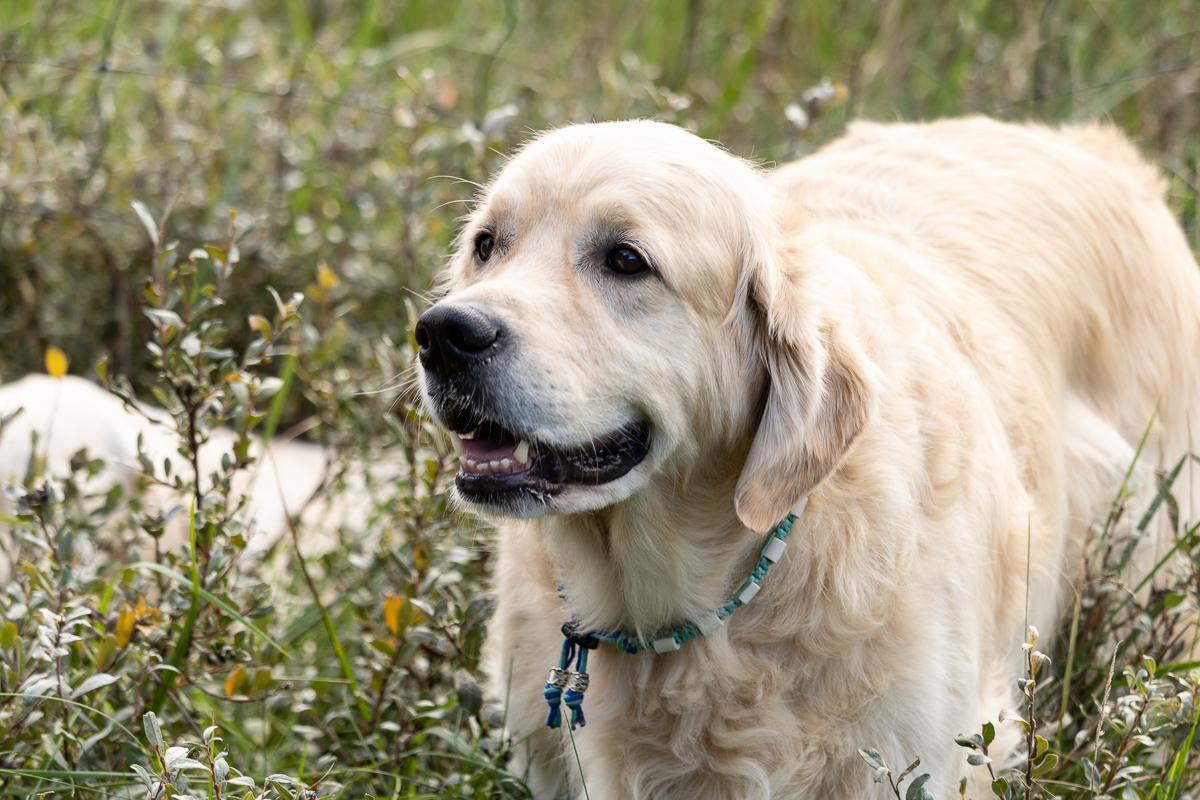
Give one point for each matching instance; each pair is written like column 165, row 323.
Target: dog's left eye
column 484, row 244
column 625, row 260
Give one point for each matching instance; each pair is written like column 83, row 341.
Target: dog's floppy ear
column 821, row 389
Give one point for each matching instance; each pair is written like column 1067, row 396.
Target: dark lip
column 552, row 469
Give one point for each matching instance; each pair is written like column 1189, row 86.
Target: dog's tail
column 1111, row 145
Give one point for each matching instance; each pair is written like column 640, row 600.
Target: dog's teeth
column 495, row 465
column 505, row 464
column 522, row 452
column 470, row 435
column 456, row 440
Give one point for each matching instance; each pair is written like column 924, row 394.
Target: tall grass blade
column 578, row 763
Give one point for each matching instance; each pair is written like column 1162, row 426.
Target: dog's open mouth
column 498, row 466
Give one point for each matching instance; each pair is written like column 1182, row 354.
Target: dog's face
column 599, row 328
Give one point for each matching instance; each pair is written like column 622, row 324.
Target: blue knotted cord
column 576, row 686
column 576, row 681
column 556, row 682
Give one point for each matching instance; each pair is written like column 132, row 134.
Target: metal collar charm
column 574, row 681
column 576, row 643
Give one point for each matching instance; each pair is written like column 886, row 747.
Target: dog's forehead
column 687, row 204
column 641, row 169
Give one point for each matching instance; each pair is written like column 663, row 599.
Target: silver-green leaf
column 917, row 790
column 872, row 757
column 94, row 682
column 153, row 731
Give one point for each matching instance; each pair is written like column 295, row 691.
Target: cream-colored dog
column 71, row 414
column 946, row 337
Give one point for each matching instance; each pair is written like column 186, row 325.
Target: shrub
column 355, row 673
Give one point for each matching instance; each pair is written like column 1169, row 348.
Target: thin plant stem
column 183, row 644
column 578, row 763
column 1104, row 704
column 363, row 709
column 1071, row 642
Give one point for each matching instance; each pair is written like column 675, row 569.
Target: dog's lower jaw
column 524, row 503
column 571, row 498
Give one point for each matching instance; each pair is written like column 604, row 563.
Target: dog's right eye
column 484, row 244
column 625, row 260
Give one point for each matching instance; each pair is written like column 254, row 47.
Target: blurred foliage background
column 347, row 135
column 351, row 130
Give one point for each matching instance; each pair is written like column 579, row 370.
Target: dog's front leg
column 524, row 639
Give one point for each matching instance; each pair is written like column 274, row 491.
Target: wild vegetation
column 299, row 167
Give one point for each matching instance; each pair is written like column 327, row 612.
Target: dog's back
column 1055, row 265
column 1060, row 236
column 1038, row 247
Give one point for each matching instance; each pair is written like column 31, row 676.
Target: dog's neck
column 656, row 561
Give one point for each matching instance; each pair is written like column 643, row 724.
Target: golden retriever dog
column 947, row 338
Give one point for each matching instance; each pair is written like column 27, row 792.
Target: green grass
column 347, row 136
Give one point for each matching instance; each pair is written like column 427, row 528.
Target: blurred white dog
column 946, row 338
column 70, row 414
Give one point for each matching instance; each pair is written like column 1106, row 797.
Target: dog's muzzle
column 468, row 358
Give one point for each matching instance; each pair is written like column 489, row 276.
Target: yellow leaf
column 141, row 610
column 420, row 556
column 391, row 613
column 260, row 324
column 104, row 650
column 125, row 621
column 326, row 278
column 234, row 681
column 56, row 362
column 8, row 636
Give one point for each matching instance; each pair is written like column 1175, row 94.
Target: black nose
column 454, row 337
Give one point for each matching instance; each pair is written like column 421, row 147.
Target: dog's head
column 627, row 305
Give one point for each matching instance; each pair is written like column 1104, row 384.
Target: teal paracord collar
column 577, row 643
